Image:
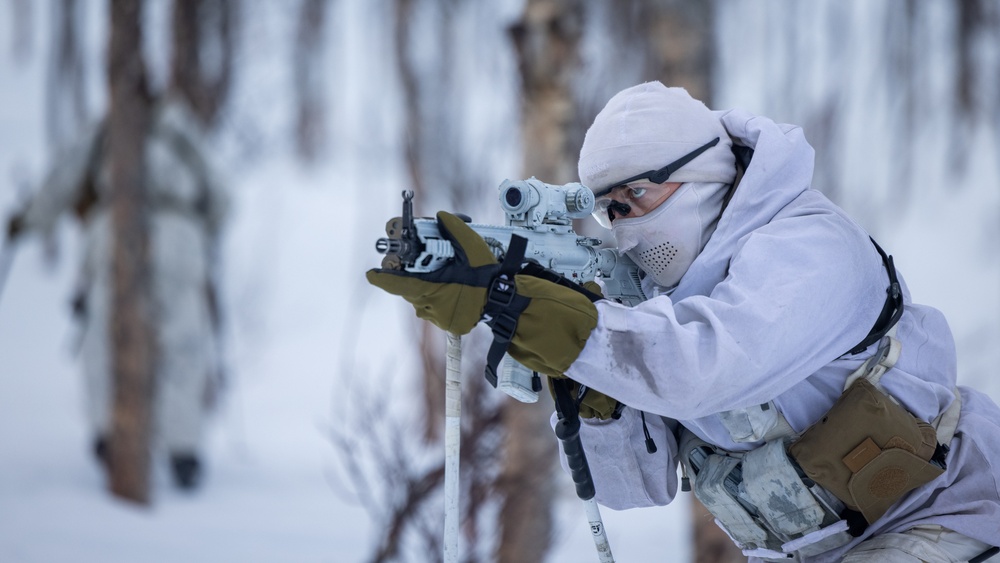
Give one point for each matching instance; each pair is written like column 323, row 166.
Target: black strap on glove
column 504, row 305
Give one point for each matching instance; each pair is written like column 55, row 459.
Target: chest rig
column 802, row 494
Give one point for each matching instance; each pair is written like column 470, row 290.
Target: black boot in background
column 186, row 470
column 101, row 450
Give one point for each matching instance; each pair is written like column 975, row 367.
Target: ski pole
column 568, row 432
column 597, row 531
column 452, row 440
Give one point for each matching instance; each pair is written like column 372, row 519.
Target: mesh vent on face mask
column 657, row 259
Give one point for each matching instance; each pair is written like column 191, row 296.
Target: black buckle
column 503, row 327
column 491, row 375
column 501, row 292
column 940, row 457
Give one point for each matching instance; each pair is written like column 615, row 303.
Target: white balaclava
column 665, row 241
column 644, row 128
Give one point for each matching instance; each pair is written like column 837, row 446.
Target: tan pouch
column 868, row 450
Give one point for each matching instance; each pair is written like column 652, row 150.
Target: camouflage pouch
column 868, row 451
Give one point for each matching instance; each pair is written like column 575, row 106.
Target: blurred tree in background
column 66, row 100
column 133, row 341
column 546, row 41
column 308, row 63
column 203, row 39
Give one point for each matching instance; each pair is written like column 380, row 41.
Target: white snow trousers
column 926, row 543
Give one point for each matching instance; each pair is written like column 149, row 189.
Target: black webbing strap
column 891, row 311
column 504, row 305
column 985, row 555
column 856, row 523
column 536, row 270
column 503, row 324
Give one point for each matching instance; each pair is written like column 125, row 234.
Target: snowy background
column 301, row 237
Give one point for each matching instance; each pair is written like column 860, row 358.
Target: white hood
column 785, row 286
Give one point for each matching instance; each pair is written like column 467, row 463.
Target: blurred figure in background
column 187, row 208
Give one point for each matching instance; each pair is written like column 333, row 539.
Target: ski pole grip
column 568, row 432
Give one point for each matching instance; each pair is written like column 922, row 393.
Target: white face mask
column 666, row 241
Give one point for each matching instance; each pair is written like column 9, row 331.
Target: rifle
column 541, row 213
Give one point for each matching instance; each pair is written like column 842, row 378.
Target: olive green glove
column 553, row 329
column 452, row 297
column 553, row 323
column 595, row 404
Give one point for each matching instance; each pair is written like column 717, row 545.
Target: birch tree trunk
column 204, row 44
column 65, row 96
column 681, row 53
column 680, row 45
column 132, row 335
column 308, row 66
column 546, row 41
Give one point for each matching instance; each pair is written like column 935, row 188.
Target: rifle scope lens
column 513, row 197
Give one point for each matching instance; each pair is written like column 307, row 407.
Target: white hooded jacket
column 787, row 284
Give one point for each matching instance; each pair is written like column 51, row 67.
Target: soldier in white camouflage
column 187, row 206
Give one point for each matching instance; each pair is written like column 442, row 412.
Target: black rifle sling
column 892, row 310
column 504, row 305
column 536, row 270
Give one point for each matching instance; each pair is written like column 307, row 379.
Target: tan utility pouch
column 868, row 450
